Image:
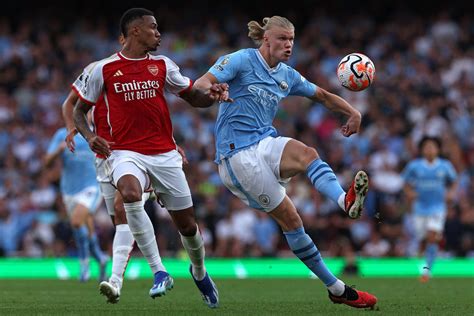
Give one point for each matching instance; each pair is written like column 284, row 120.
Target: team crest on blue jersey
column 225, row 61
column 264, row 199
column 283, row 85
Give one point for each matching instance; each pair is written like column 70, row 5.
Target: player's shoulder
column 415, row 162
column 159, row 57
column 102, row 62
column 445, row 162
column 245, row 53
column 168, row 61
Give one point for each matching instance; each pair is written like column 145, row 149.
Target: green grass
column 238, row 297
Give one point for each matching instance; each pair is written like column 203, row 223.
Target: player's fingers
column 70, row 146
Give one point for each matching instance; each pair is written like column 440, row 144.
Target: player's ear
column 135, row 30
column 266, row 42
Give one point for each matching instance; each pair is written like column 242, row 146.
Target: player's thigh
column 129, row 168
column 108, row 192
column 435, row 224
column 169, row 181
column 420, row 225
column 284, row 155
column 125, row 162
column 248, row 176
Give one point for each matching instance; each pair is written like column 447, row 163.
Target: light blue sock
column 304, row 248
column 324, row 180
column 430, row 254
column 82, row 242
column 97, row 253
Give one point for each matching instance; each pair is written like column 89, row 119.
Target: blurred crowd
column 424, row 86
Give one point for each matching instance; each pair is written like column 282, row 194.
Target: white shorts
column 89, row 197
column 423, row 224
column 165, row 171
column 102, row 168
column 253, row 174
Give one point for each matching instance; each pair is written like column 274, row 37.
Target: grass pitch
column 238, row 297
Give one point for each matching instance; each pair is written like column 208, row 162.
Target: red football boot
column 354, row 298
column 354, row 200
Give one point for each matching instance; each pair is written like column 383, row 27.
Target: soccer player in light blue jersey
column 254, row 161
column 430, row 181
column 81, row 196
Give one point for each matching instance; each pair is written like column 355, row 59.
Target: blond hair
column 256, row 30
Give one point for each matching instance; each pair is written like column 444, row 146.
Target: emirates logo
column 153, row 69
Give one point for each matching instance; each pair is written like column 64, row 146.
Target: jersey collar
column 264, row 63
column 126, row 58
column 432, row 164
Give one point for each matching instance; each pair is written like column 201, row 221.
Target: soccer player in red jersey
column 123, row 239
column 142, row 149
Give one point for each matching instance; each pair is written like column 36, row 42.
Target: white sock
column 144, row 234
column 121, row 249
column 340, row 201
column 194, row 245
column 337, row 288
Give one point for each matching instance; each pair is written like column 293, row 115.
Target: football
column 356, row 72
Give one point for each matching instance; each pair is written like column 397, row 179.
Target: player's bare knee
column 130, row 195
column 187, row 228
column 308, row 155
column 75, row 222
column 293, row 223
column 432, row 237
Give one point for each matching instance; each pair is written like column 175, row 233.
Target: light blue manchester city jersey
column 256, row 89
column 429, row 182
column 78, row 168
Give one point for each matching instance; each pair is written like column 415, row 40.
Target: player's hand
column 411, row 196
column 70, row 143
column 183, row 155
column 100, row 146
column 450, row 196
column 352, row 125
column 220, row 92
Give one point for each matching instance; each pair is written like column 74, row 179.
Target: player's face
column 149, row 35
column 430, row 150
column 280, row 42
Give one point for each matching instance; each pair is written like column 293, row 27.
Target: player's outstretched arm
column 97, row 144
column 337, row 104
column 67, row 109
column 205, row 91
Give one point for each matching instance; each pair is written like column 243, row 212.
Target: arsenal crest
column 153, row 69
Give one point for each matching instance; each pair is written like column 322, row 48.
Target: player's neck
column 132, row 52
column 431, row 160
column 267, row 57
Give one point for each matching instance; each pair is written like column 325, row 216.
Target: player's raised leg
column 304, row 248
column 297, row 157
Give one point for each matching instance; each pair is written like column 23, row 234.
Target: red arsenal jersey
column 134, row 107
